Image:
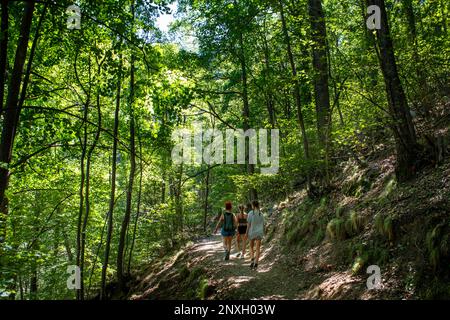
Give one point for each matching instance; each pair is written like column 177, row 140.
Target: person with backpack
column 229, row 223
column 242, row 231
column 255, row 233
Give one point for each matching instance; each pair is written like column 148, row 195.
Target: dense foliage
column 88, row 115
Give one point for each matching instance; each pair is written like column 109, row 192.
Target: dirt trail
column 276, row 277
column 236, row 280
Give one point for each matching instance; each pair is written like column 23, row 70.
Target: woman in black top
column 242, row 230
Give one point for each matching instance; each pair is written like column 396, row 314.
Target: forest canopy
column 94, row 97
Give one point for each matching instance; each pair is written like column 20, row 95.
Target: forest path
column 280, row 275
column 235, row 280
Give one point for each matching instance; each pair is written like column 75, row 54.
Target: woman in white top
column 255, row 233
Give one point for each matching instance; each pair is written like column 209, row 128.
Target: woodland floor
column 275, row 278
column 300, row 262
column 313, row 269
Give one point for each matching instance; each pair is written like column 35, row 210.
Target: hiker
column 242, row 231
column 229, row 223
column 255, row 233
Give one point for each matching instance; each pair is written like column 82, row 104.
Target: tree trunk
column 126, row 218
column 320, row 69
column 205, row 207
column 297, row 96
column 269, row 94
column 246, row 110
column 113, row 181
column 418, row 68
column 11, row 112
column 407, row 147
column 3, row 50
column 87, row 191
column 138, row 209
column 81, row 193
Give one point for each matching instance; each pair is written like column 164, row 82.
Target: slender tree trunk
column 297, row 96
column 418, row 67
column 21, row 289
column 126, row 218
column 404, row 132
column 94, row 263
column 246, row 109
column 250, row 168
column 138, row 209
column 81, row 193
column 87, row 191
column 34, row 282
column 26, row 80
column 320, row 69
column 113, row 181
column 11, row 113
column 205, row 208
column 178, row 193
column 3, row 50
column 164, row 166
column 34, row 273
column 269, row 94
column 83, row 143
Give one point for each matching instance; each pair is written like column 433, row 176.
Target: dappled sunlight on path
column 235, row 279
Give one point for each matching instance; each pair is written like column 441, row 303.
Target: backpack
column 228, row 223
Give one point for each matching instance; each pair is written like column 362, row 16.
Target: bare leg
column 258, row 250
column 229, row 239
column 252, row 243
column 238, row 240
column 244, row 244
column 224, row 243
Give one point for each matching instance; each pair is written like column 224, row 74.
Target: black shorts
column 242, row 229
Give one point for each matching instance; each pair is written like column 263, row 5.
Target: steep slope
column 321, row 249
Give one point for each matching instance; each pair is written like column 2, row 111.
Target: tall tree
column 3, row 49
column 12, row 110
column 244, row 82
column 407, row 147
column 297, row 96
column 126, row 218
column 110, row 220
column 320, row 69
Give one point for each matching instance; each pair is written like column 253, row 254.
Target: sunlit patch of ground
column 272, row 297
column 336, row 286
column 236, row 282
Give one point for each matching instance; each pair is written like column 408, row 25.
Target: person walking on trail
column 242, row 231
column 255, row 233
column 229, row 223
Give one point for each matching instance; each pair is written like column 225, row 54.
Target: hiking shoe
column 227, row 256
column 255, row 266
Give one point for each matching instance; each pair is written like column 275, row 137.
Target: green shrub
column 389, row 228
column 203, row 288
column 353, row 224
column 385, row 226
column 320, row 234
column 336, row 229
column 379, row 223
column 437, row 242
column 359, row 263
column 184, row 272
